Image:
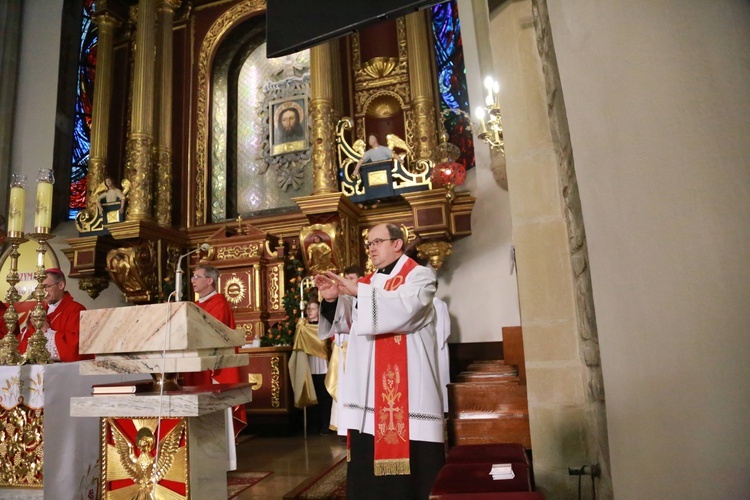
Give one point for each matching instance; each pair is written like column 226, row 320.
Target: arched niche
column 248, row 175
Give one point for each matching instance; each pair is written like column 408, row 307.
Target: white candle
column 43, row 213
column 16, row 209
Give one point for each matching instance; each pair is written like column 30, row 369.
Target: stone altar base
column 193, row 457
column 172, row 444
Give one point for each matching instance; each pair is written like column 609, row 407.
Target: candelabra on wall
column 9, row 354
column 37, row 352
column 492, row 128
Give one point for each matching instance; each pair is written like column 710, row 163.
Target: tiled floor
column 291, row 459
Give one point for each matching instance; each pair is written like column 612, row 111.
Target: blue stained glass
column 83, row 105
column 451, row 74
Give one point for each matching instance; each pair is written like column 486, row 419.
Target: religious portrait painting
column 289, row 131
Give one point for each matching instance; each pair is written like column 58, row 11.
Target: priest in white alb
column 392, row 400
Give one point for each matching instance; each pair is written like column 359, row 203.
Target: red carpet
column 330, row 485
column 237, row 482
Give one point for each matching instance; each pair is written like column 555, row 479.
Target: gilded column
column 138, row 149
column 163, row 118
column 420, row 79
column 101, row 107
column 325, row 78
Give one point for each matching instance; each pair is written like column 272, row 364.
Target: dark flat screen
column 293, row 25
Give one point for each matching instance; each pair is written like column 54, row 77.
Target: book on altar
column 502, row 471
column 135, row 387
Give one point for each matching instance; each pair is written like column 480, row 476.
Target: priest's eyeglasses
column 195, row 276
column 376, row 242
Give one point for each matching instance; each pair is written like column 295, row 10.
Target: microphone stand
column 179, row 272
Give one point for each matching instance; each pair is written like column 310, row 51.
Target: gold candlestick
column 37, row 352
column 9, row 354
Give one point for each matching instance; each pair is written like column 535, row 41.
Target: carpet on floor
column 237, row 482
column 330, row 485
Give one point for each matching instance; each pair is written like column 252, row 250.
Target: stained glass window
column 454, row 94
column 84, row 100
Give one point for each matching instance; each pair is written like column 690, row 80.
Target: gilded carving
column 138, row 172
column 425, row 128
column 275, row 382
column 87, row 221
column 321, row 248
column 94, row 178
column 403, row 51
column 248, row 328
column 133, row 269
column 364, row 99
column 93, row 285
column 21, row 446
column 324, row 173
column 379, row 67
column 256, row 282
column 274, row 287
column 208, row 48
column 235, row 290
column 256, row 379
column 163, row 189
column 356, row 54
column 238, row 252
column 435, row 251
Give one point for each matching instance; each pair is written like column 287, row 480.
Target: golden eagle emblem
column 136, row 461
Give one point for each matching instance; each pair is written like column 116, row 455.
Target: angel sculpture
column 394, row 143
column 109, row 193
column 141, row 468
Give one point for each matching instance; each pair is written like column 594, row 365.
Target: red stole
column 391, row 390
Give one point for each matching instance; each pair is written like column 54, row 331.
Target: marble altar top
column 138, row 329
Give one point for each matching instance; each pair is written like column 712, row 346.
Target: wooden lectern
column 177, row 441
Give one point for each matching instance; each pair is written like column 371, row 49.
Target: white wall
column 658, row 102
column 34, row 126
column 476, row 281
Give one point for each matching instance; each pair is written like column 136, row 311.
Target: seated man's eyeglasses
column 49, row 285
column 195, row 276
column 376, row 242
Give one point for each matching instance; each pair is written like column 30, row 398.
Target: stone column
column 138, row 149
column 325, row 78
column 420, row 80
column 101, row 107
column 567, row 413
column 163, row 118
column 10, row 47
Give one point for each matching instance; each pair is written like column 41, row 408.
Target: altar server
column 338, row 329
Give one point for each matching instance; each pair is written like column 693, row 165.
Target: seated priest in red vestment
column 204, row 282
column 63, row 317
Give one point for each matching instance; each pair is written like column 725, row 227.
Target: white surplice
column 339, row 330
column 409, row 310
column 443, row 328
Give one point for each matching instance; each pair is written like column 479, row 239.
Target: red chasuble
column 218, row 307
column 64, row 321
column 391, row 392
